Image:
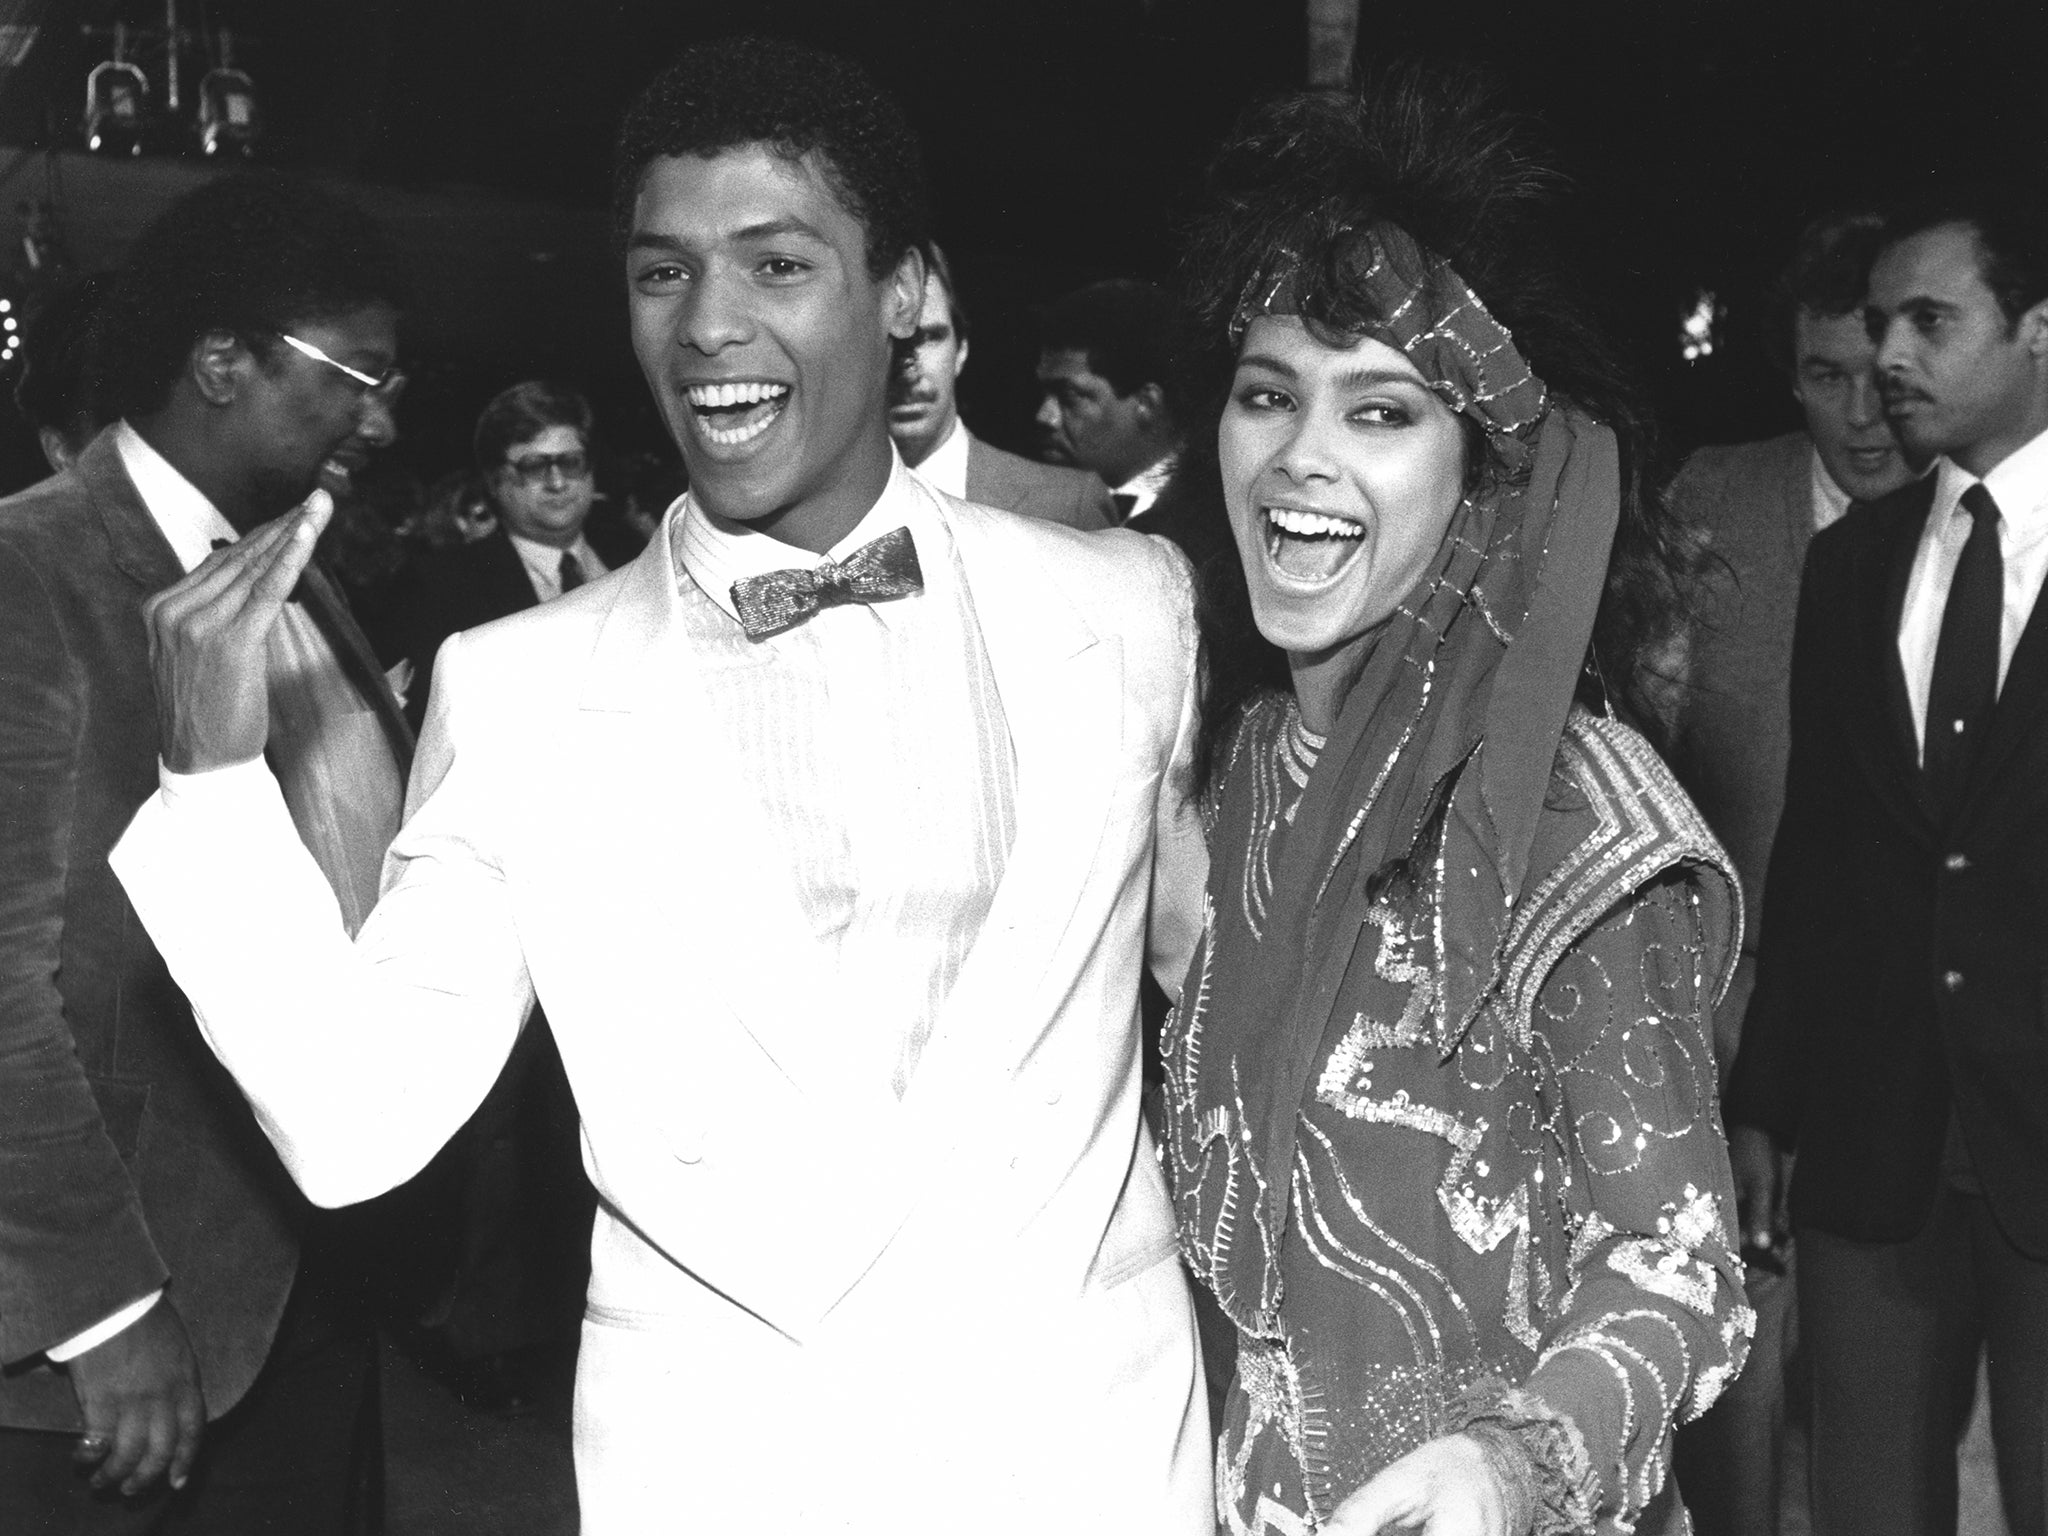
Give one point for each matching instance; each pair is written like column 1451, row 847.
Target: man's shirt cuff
column 100, row 1332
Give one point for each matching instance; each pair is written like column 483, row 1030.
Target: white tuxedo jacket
column 808, row 1296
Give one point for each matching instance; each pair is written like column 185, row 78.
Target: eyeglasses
column 383, row 388
column 533, row 468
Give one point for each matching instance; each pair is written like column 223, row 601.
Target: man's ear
column 960, row 358
column 1151, row 400
column 2034, row 329
column 216, row 363
column 906, row 294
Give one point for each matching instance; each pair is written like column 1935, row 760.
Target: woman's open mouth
column 1311, row 548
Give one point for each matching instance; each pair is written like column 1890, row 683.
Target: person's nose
column 377, row 421
column 1049, row 413
column 714, row 315
column 1893, row 345
column 1307, row 455
column 1866, row 406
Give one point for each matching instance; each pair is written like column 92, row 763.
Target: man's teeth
column 1313, row 525
column 712, row 397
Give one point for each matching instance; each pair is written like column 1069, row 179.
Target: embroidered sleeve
column 1653, row 1321
column 1538, row 1455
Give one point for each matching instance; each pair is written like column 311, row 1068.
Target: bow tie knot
column 877, row 572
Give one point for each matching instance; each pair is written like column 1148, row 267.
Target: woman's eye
column 1382, row 414
column 1259, row 397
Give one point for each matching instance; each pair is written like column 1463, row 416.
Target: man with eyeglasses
column 533, row 449
column 165, row 1315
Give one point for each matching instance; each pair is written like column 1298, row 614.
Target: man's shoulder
column 998, row 478
column 1094, row 568
column 1874, row 525
column 1733, row 478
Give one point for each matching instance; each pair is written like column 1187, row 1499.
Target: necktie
column 1964, row 689
column 874, row 573
column 572, row 571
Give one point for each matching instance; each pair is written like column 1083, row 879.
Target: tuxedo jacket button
column 687, row 1146
column 1952, row 980
column 1956, row 863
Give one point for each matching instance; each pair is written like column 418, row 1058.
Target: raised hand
column 207, row 639
column 139, row 1393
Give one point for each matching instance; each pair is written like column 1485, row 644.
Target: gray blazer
column 1048, row 491
column 1752, row 503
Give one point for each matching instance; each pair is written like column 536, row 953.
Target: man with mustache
column 924, row 420
column 1897, row 1039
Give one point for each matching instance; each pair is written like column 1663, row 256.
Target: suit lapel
column 2015, row 727
column 1881, row 730
column 138, row 547
column 1061, row 690
column 329, row 610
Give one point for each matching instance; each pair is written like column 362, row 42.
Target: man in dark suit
column 1756, row 507
column 1113, row 396
column 1896, row 1038
column 533, row 449
column 151, row 1268
column 924, row 422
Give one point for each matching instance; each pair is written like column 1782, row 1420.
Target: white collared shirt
column 543, row 563
column 2019, row 484
column 1144, row 487
column 1830, row 501
column 945, row 467
column 190, row 524
column 877, row 743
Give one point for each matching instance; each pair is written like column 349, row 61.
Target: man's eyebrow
column 768, row 229
column 652, row 240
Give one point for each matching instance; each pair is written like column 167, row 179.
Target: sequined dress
column 1524, row 1226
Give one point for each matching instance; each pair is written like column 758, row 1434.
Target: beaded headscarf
column 1456, row 716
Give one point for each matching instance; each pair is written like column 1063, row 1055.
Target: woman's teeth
column 747, row 409
column 1310, row 546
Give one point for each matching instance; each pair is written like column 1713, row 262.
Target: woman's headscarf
column 1460, row 706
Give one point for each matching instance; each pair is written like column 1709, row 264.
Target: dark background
column 1064, row 136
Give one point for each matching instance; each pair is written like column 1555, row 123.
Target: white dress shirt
column 1830, row 501
column 881, row 753
column 1144, row 487
column 2019, row 484
column 945, row 467
column 543, row 563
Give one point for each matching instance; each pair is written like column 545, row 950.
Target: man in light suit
column 924, row 420
column 158, row 1272
column 844, row 965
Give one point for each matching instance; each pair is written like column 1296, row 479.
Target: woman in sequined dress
column 1440, row 1090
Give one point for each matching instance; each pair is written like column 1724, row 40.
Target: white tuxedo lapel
column 1061, row 689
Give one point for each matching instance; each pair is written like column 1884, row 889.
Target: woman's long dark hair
column 1432, row 150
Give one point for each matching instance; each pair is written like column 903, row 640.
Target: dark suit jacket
column 127, row 1154
column 1053, row 492
column 460, row 588
column 1904, row 963
column 1753, row 505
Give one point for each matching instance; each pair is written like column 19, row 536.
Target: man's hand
column 207, row 638
column 139, row 1392
column 1446, row 1487
column 1762, row 1175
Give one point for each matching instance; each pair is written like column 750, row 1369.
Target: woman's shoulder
column 1615, row 822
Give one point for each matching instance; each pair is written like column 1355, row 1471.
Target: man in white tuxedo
column 843, row 972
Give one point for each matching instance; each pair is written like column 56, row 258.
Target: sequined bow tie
column 874, row 573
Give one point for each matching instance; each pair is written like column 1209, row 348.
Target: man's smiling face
column 764, row 338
